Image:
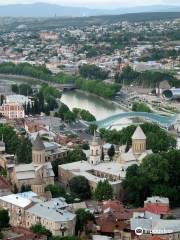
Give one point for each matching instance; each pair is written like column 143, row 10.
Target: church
column 37, row 174
column 99, row 167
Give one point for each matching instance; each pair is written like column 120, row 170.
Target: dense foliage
column 23, row 89
column 103, row 191
column 44, row 101
column 82, row 218
column 72, row 156
column 4, row 218
column 157, row 175
column 56, row 190
column 65, row 114
column 41, row 72
column 145, row 79
column 99, row 88
column 140, row 107
column 83, row 114
column 92, row 72
column 39, row 229
column 16, row 145
column 79, row 186
column 157, row 139
column 64, row 238
column 25, row 69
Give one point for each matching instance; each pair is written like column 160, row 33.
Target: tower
column 38, row 151
column 138, row 141
column 95, row 150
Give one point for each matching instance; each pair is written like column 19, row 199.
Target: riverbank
column 123, row 107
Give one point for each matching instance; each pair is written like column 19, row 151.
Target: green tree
column 1, row 235
column 92, row 72
column 82, row 218
column 103, row 191
column 26, row 188
column 157, row 138
column 24, row 146
column 156, row 175
column 111, row 151
column 140, row 107
column 56, row 190
column 4, row 218
column 79, row 185
column 92, row 128
column 64, row 238
column 38, row 228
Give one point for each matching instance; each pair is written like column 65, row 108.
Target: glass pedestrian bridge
column 163, row 121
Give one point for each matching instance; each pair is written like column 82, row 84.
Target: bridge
column 163, row 121
column 64, row 87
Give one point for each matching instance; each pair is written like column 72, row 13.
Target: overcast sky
column 98, row 3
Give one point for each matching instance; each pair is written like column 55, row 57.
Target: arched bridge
column 163, row 121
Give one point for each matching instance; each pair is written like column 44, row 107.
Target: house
column 27, row 209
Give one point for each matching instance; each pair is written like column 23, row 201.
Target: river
column 98, row 107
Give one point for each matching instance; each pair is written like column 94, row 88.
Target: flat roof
column 16, row 200
column 53, row 213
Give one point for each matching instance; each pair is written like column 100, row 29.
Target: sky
column 97, row 3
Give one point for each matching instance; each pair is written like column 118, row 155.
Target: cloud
column 95, row 3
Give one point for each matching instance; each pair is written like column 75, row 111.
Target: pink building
column 12, row 110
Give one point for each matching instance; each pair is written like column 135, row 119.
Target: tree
column 56, row 190
column 158, row 174
column 111, row 151
column 82, row 217
column 15, row 189
column 4, row 218
column 157, row 138
column 26, row 188
column 72, row 156
column 79, row 185
column 64, row 238
column 38, row 228
column 92, row 128
column 25, row 146
column 62, row 110
column 1, row 235
column 69, row 116
column 103, row 191
column 92, row 72
column 140, row 107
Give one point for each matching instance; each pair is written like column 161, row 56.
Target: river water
column 98, row 107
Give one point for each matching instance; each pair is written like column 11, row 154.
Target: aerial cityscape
column 90, row 120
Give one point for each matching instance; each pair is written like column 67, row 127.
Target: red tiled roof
column 157, row 208
column 155, row 238
column 108, row 224
column 113, row 204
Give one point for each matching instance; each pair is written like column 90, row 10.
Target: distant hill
column 51, row 10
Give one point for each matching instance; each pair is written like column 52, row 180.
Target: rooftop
column 16, row 200
column 138, row 134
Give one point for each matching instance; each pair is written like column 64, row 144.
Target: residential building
column 26, row 210
column 12, row 110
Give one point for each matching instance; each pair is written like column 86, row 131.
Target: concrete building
column 12, row 110
column 26, row 209
column 17, row 98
